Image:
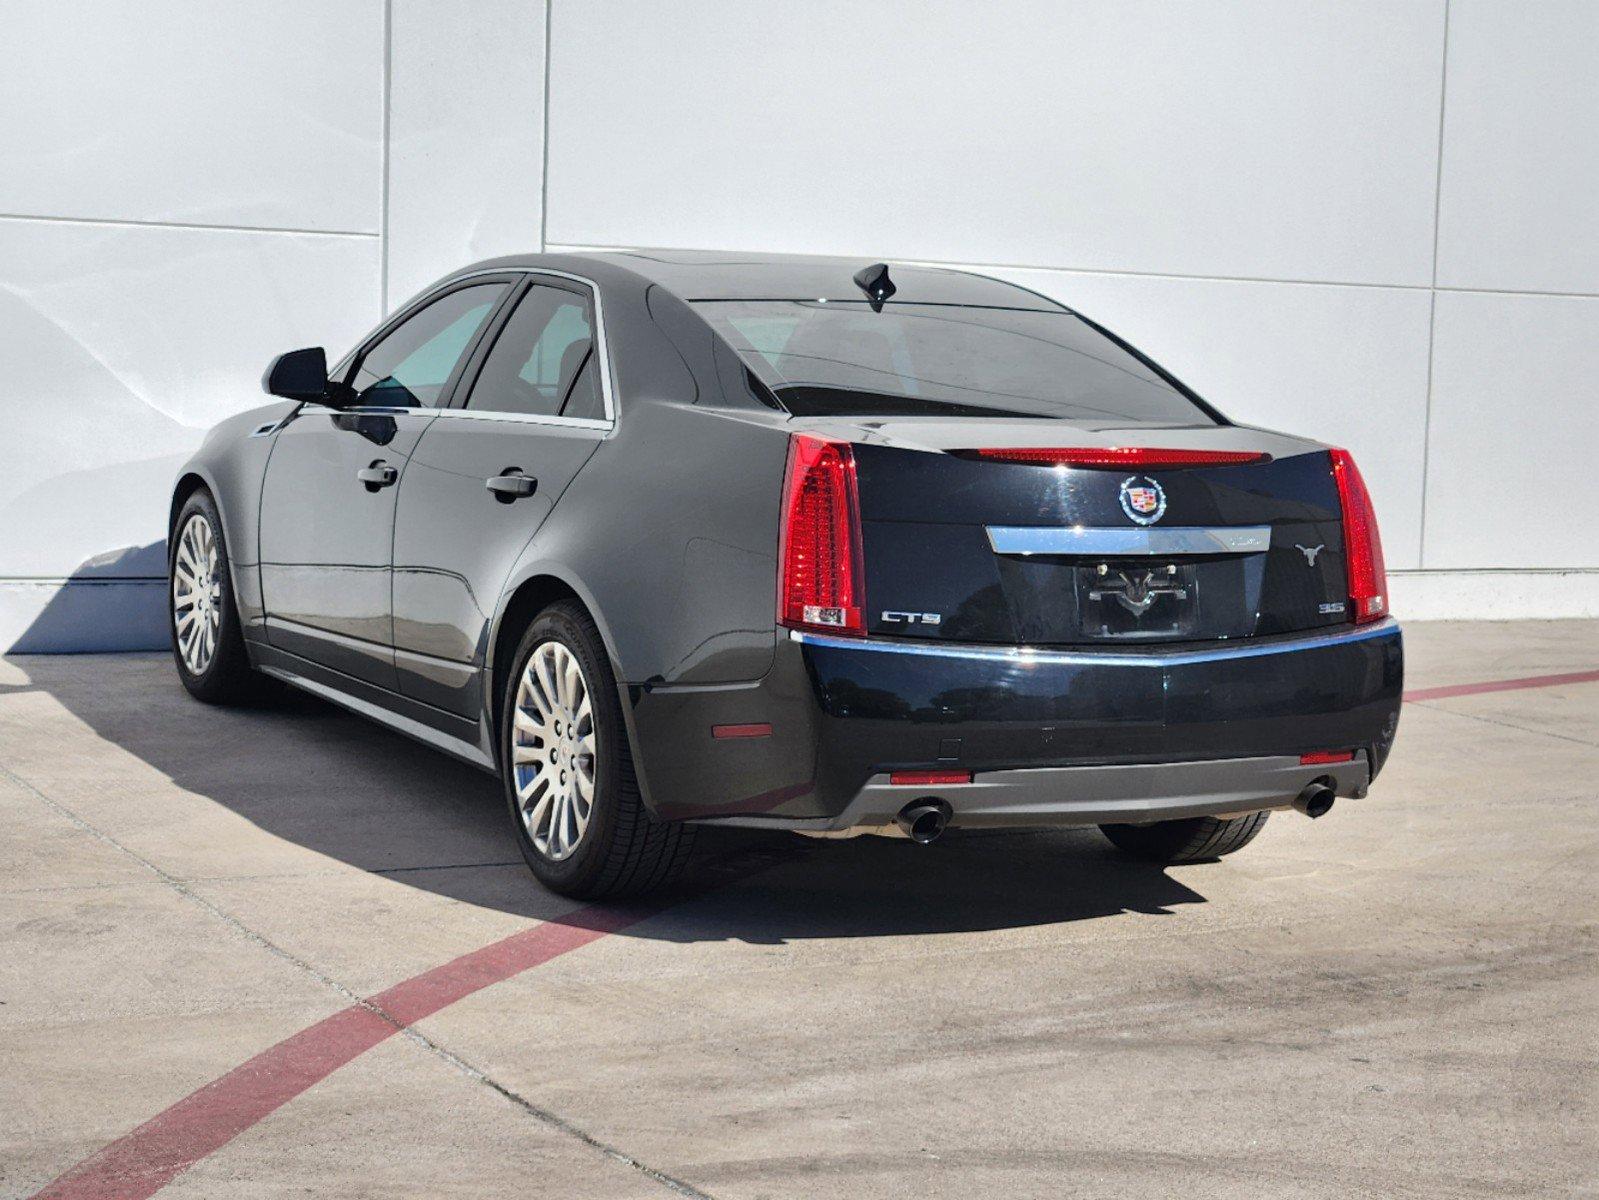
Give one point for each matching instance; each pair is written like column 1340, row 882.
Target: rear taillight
column 1112, row 457
column 820, row 573
column 1363, row 563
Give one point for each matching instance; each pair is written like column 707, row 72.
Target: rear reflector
column 762, row 729
column 1363, row 561
column 928, row 778
column 819, row 583
column 1116, row 457
column 1317, row 757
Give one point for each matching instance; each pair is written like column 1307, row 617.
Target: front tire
column 1193, row 839
column 574, row 801
column 207, row 642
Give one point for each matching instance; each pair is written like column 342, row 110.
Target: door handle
column 378, row 475
column 511, row 485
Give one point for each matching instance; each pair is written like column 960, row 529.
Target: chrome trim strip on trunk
column 1114, row 542
column 1152, row 656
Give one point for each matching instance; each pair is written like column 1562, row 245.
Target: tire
column 1193, row 839
column 209, row 647
column 620, row 848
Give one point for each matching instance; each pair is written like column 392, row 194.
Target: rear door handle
column 378, row 475
column 512, row 484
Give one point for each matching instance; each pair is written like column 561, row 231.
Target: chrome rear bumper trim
column 1149, row 656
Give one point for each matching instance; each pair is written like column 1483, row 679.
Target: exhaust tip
column 924, row 820
column 1316, row 800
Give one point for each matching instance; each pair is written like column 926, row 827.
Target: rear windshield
column 839, row 358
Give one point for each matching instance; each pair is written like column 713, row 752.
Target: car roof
column 738, row 275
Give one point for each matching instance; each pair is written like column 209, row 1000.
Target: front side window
column 411, row 365
column 542, row 363
column 826, row 358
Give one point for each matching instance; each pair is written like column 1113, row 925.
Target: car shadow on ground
column 305, row 771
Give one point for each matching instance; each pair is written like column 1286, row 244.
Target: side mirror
column 298, row 375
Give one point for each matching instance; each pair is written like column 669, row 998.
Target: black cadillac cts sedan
column 807, row 544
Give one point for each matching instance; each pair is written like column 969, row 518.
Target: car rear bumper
column 1128, row 793
column 1050, row 737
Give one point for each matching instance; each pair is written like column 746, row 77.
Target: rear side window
column 542, row 362
column 413, row 362
column 824, row 358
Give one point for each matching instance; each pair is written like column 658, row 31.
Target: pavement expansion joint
column 545, row 1116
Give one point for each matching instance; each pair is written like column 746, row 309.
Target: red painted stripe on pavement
column 144, row 1161
column 1502, row 685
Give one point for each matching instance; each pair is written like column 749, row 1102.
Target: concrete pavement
column 1399, row 999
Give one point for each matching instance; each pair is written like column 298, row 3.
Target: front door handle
column 378, row 475
column 511, row 485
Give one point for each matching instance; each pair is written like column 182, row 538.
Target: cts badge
column 912, row 618
column 1143, row 500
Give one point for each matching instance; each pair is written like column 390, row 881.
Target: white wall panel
column 1253, row 138
column 233, row 113
column 1515, row 418
column 1345, row 365
column 1521, row 156
column 466, row 136
column 119, row 345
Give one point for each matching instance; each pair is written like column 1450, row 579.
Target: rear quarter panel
column 671, row 528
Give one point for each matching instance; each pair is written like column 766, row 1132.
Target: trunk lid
column 964, row 549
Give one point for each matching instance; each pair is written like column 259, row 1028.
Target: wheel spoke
column 546, row 682
column 583, row 784
column 568, row 822
column 539, row 812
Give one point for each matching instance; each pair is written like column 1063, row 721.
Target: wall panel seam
column 544, row 176
column 1432, row 303
column 383, row 204
column 201, row 226
column 1419, row 288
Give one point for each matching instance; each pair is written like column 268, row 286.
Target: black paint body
column 663, row 518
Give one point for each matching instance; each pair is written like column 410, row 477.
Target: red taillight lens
column 1363, row 562
column 821, row 577
column 1318, row 758
column 1120, row 456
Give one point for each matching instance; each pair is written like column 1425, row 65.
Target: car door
column 484, row 477
column 327, row 501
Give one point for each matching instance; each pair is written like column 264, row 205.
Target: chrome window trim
column 467, row 414
column 461, row 414
column 1154, row 656
column 601, row 344
column 602, row 347
column 1115, row 542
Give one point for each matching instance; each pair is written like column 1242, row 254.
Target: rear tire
column 555, row 743
column 202, row 616
column 1193, row 839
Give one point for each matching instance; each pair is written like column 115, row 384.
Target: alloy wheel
column 197, row 594
column 553, row 750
